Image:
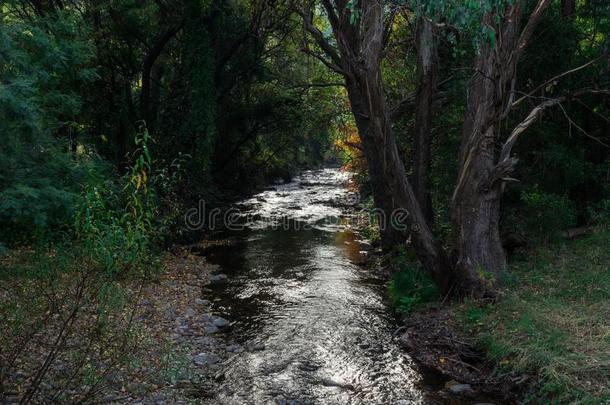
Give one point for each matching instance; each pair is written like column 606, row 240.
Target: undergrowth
column 552, row 321
column 410, row 287
column 65, row 311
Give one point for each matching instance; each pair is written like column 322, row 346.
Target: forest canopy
column 232, row 95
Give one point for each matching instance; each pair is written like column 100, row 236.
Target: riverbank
column 134, row 340
column 546, row 340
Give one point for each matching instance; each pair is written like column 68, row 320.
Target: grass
column 553, row 321
column 410, row 287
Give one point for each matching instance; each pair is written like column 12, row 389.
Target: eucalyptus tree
column 360, row 31
column 360, row 34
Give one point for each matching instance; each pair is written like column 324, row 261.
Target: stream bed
column 309, row 324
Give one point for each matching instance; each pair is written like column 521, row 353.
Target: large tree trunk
column 480, row 257
column 427, row 72
column 391, row 190
column 360, row 50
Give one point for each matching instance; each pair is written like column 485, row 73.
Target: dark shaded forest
column 487, row 122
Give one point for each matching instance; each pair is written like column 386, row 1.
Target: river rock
column 219, row 321
column 457, row 388
column 206, row 359
column 211, row 329
column 255, row 346
column 202, row 302
column 235, row 348
column 328, row 382
column 218, row 279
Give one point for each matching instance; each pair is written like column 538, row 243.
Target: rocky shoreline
column 435, row 340
column 182, row 345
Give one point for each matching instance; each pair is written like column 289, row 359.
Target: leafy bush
column 41, row 61
column 545, row 213
column 117, row 225
column 410, row 286
column 600, row 214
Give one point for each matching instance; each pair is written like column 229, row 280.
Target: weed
column 553, row 321
column 410, row 286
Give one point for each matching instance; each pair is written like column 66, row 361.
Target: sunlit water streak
column 326, row 331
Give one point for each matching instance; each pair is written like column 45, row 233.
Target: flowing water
column 314, row 320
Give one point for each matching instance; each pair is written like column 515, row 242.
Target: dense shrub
column 116, row 223
column 41, row 61
column 546, row 213
column 409, row 286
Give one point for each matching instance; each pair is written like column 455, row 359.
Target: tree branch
column 557, row 77
column 534, row 115
column 531, row 25
column 324, row 45
column 322, row 59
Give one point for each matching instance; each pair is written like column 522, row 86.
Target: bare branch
column 525, row 124
column 531, row 25
column 535, row 113
column 335, row 62
column 325, row 61
column 581, row 129
column 557, row 77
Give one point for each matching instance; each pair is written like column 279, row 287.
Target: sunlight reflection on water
column 325, row 328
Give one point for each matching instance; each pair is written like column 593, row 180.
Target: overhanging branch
column 506, row 162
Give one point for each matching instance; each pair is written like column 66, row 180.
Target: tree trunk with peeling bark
column 358, row 58
column 479, row 259
column 391, row 189
column 427, row 73
column 479, row 256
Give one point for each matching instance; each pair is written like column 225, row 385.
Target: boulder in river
column 202, row 302
column 206, row 359
column 255, row 346
column 457, row 388
column 219, row 321
column 218, row 279
column 235, row 348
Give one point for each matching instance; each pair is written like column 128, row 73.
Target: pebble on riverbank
column 434, row 339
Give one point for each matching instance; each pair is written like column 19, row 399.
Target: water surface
column 315, row 320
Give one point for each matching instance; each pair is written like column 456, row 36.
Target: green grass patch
column 554, row 321
column 410, row 287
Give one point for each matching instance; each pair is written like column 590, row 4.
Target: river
column 314, row 319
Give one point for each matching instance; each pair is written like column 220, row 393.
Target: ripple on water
column 299, row 292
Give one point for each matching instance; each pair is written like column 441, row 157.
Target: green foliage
column 410, row 286
column 468, row 16
column 552, row 321
column 117, row 226
column 600, row 213
column 42, row 61
column 547, row 213
column 199, row 62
